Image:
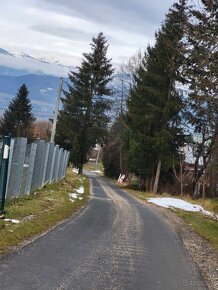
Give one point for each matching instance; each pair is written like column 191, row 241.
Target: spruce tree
column 83, row 121
column 18, row 118
column 154, row 106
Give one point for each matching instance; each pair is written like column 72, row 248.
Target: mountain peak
column 23, row 54
column 23, row 63
column 5, row 52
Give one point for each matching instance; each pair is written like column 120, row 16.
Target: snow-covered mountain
column 11, row 64
column 40, row 75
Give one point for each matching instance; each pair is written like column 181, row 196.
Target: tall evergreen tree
column 83, row 120
column 18, row 118
column 154, row 105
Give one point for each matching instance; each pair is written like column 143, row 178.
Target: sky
column 62, row 29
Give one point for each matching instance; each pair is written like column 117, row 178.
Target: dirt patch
column 204, row 255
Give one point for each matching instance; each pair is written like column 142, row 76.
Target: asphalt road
column 116, row 242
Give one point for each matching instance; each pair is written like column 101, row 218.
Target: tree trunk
column 80, row 171
column 151, row 184
column 156, row 182
column 203, row 191
column 196, row 190
column 142, row 184
column 147, row 184
column 181, row 187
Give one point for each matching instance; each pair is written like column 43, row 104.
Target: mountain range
column 41, row 77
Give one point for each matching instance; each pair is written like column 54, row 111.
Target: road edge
column 29, row 241
column 201, row 251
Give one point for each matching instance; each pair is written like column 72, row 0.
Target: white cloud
column 64, row 29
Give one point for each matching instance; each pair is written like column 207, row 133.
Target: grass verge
column 204, row 226
column 41, row 210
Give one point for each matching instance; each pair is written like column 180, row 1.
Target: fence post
column 4, row 171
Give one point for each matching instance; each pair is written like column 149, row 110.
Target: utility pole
column 56, row 110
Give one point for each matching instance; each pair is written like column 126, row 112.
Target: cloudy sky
column 63, row 29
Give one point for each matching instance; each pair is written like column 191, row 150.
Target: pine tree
column 18, row 118
column 83, row 120
column 154, row 106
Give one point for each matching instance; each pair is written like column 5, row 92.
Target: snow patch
column 80, row 190
column 73, row 195
column 12, row 220
column 96, row 171
column 169, row 202
column 75, row 170
column 29, row 217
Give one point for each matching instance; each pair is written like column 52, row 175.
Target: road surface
column 116, row 242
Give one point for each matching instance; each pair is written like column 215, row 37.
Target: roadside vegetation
column 166, row 132
column 41, row 210
column 204, row 226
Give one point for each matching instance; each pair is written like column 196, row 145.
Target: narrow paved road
column 116, row 242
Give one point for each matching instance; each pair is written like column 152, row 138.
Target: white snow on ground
column 169, row 202
column 80, row 190
column 73, row 195
column 96, row 171
column 12, row 220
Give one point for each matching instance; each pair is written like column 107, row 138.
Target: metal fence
column 33, row 165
